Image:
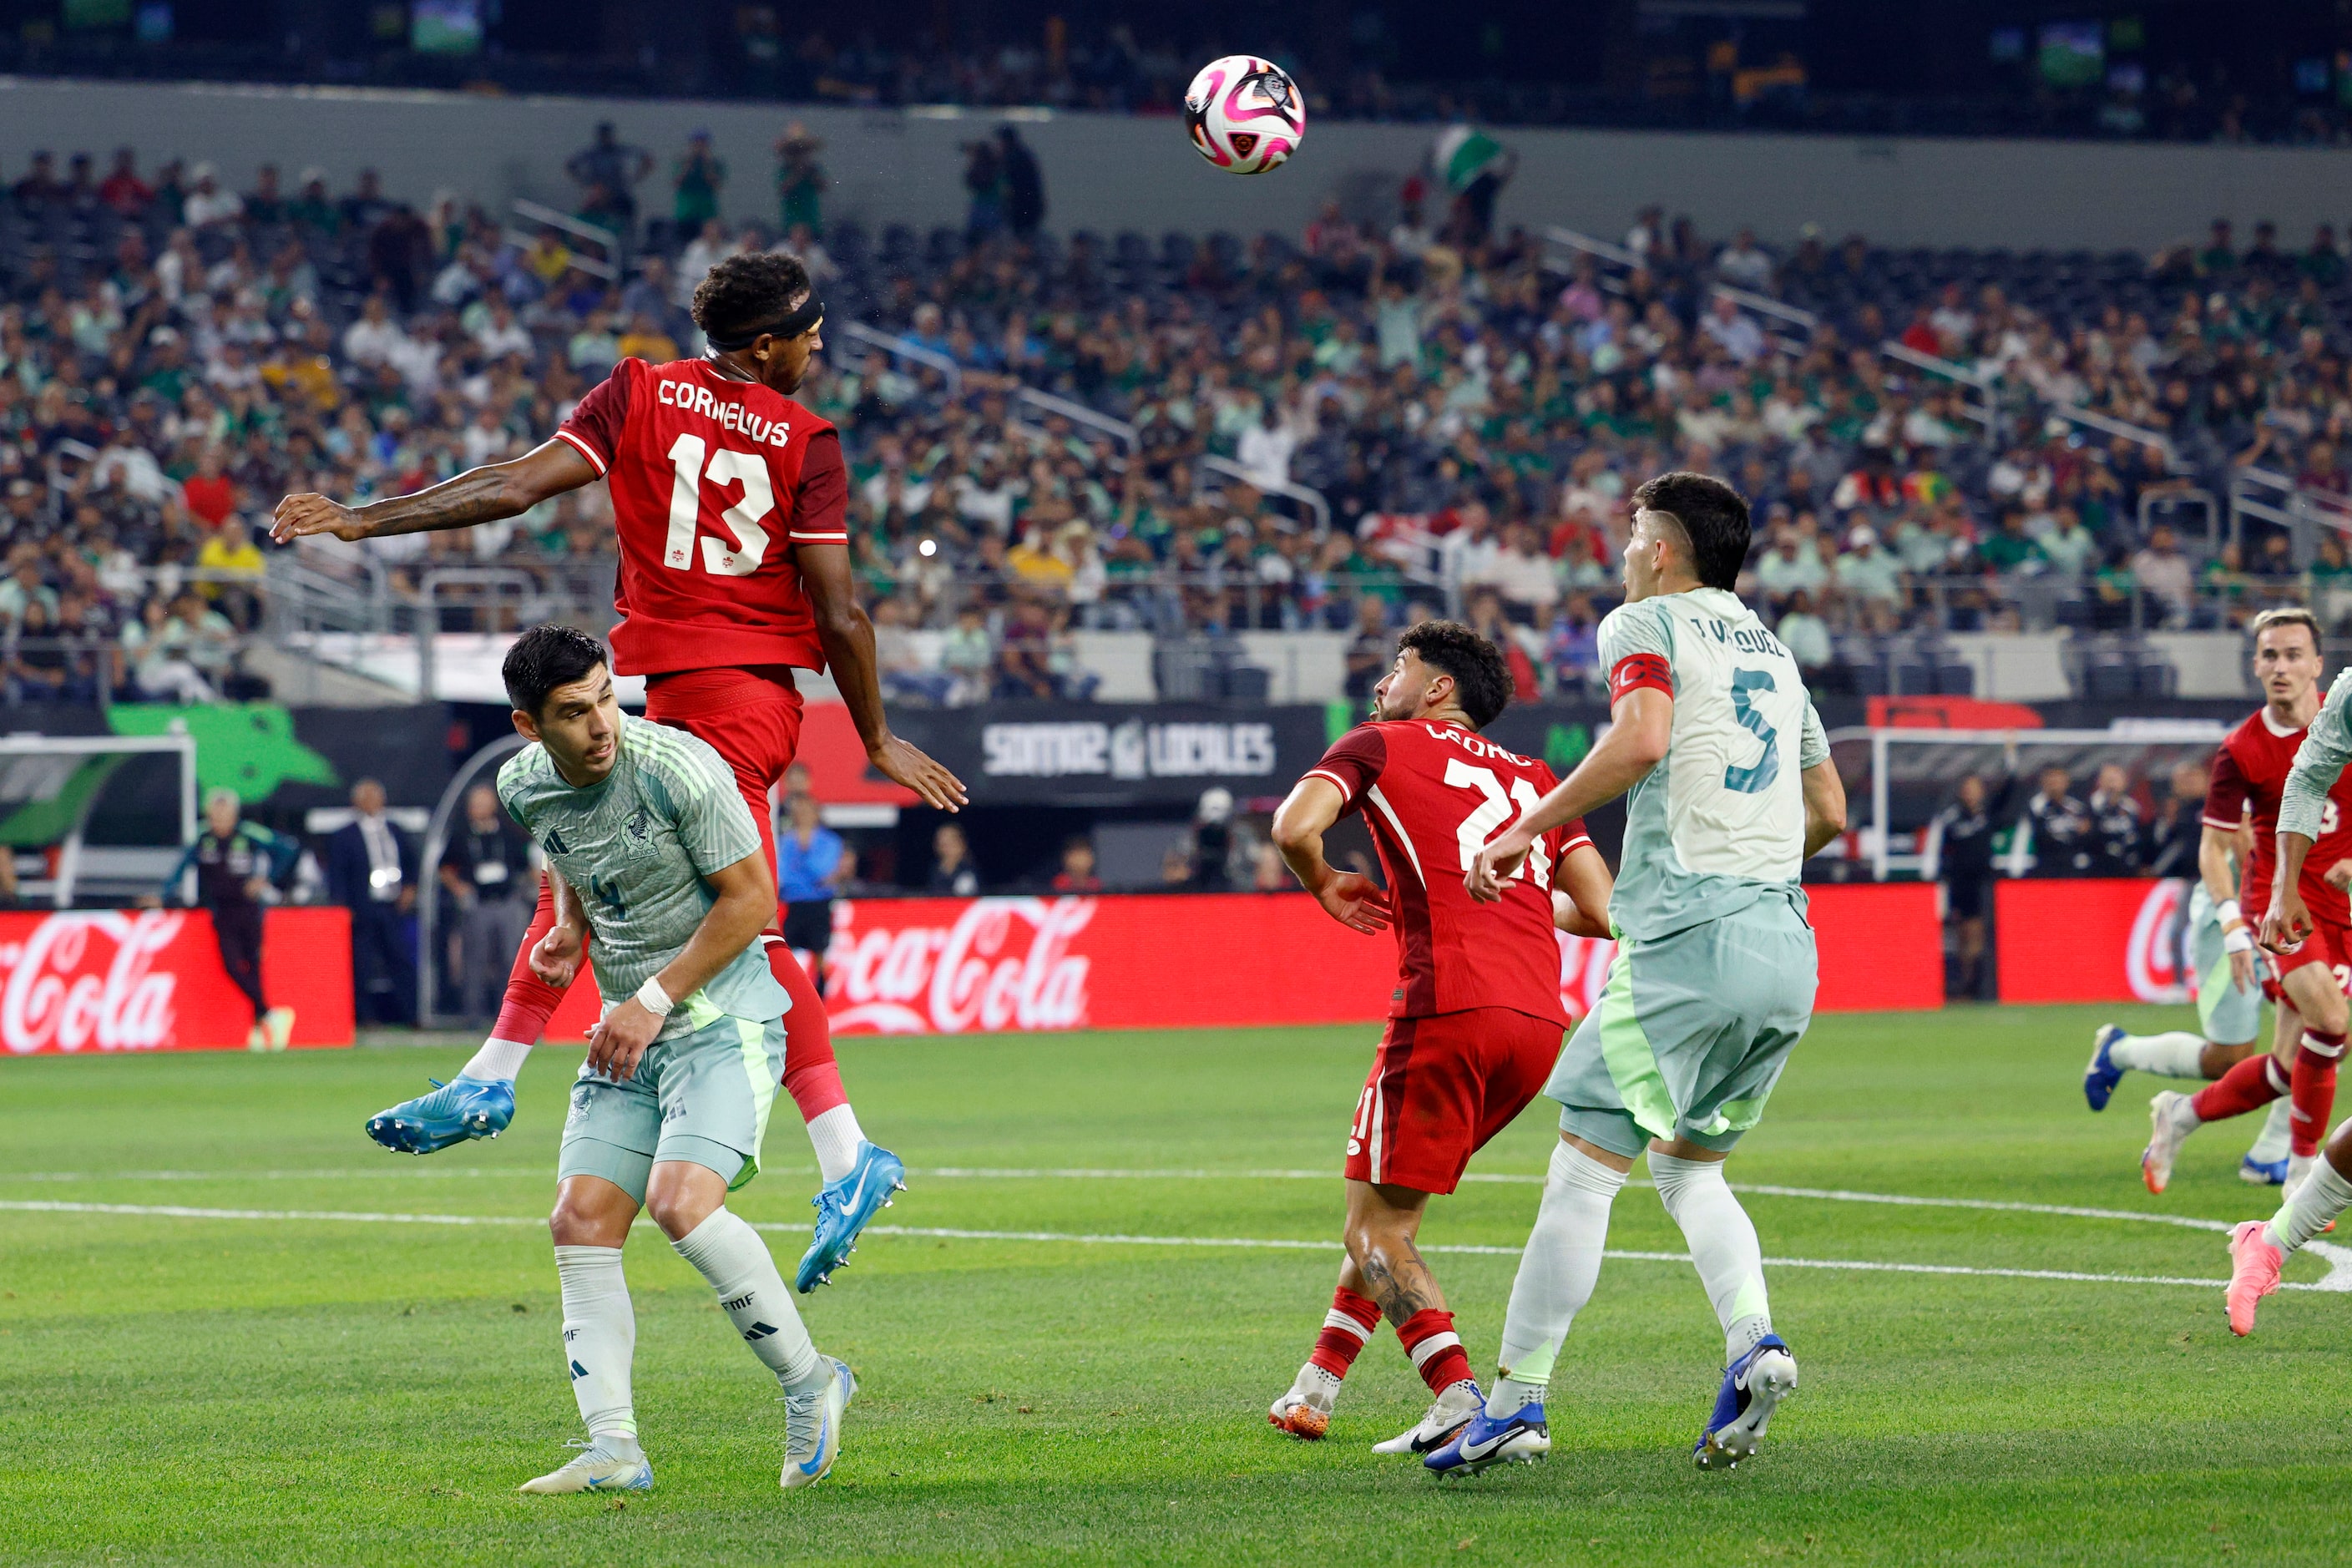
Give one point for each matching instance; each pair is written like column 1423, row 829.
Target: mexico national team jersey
column 713, row 483
column 635, row 848
column 2250, row 777
column 1433, row 795
column 1720, row 822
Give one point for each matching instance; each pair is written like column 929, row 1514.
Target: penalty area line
column 1074, row 1238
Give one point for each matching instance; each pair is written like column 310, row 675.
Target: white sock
column 1722, row 1243
column 835, row 1135
column 2173, row 1054
column 1556, row 1274
column 731, row 1255
column 2272, row 1144
column 498, row 1061
column 2319, row 1200
column 600, row 1338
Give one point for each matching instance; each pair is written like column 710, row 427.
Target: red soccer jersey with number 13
column 713, row 483
column 1433, row 795
column 2250, row 777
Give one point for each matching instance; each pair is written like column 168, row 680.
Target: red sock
column 2252, row 1083
column 1435, row 1349
column 529, row 1001
column 2313, row 1085
column 811, row 1076
column 1347, row 1327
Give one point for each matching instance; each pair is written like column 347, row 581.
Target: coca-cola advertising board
column 2096, row 940
column 151, row 979
column 946, row 966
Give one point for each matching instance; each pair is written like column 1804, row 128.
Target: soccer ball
column 1245, row 114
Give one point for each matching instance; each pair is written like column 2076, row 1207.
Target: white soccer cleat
column 1448, row 1415
column 2298, row 1170
column 2172, row 1119
column 1753, row 1387
column 277, row 1027
column 1305, row 1411
column 812, row 1428
column 595, row 1468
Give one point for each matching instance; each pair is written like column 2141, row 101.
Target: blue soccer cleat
column 464, row 1108
column 2262, row 1172
column 1753, row 1387
column 2099, row 1079
column 843, row 1209
column 1519, row 1438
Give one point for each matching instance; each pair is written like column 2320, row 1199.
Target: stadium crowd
column 1199, row 436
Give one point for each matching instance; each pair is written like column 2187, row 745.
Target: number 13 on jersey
column 691, row 460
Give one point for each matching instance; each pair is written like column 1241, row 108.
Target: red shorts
column 2328, row 944
column 1440, row 1088
column 750, row 716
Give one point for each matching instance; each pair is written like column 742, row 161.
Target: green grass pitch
column 328, row 1389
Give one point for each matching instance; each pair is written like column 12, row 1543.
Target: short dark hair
column 747, row 291
column 1712, row 515
column 1482, row 681
column 545, row 657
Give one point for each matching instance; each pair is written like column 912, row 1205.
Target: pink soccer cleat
column 2255, row 1265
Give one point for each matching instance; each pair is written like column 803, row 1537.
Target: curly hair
column 745, row 292
column 1482, row 681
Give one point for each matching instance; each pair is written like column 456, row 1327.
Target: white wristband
column 2239, row 940
column 2226, row 911
column 654, row 999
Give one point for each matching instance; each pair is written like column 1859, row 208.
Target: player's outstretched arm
column 743, row 900
column 1580, row 889
column 1306, row 815
column 478, row 495
column 848, row 639
column 1643, row 722
column 1824, row 805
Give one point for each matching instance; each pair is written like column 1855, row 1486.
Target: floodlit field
column 217, row 1344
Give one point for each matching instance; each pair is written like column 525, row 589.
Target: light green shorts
column 703, row 1097
column 1690, row 1033
column 2225, row 1015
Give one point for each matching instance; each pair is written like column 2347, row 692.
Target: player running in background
column 1476, row 1019
column 1728, row 788
column 649, row 844
column 2250, row 777
column 2228, row 974
column 728, row 503
column 235, row 863
column 2259, row 1249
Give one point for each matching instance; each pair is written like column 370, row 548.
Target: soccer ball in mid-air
column 1245, row 114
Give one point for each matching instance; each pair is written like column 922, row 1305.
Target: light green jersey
column 2318, row 763
column 1720, row 822
column 636, row 847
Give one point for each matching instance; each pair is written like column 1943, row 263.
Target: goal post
column 1910, row 775
column 49, row 783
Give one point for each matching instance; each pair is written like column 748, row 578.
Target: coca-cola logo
column 88, row 980
column 1003, row 964
column 2152, row 964
column 1583, row 972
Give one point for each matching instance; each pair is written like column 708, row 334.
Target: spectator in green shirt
column 2009, row 548
column 700, row 173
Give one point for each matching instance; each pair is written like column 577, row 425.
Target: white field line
column 2339, row 1278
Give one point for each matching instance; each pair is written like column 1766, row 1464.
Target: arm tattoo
column 477, row 495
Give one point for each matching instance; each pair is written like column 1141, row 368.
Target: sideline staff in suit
column 372, row 871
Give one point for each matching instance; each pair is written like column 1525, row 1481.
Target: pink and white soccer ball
column 1245, row 114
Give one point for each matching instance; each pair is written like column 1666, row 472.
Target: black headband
column 792, row 324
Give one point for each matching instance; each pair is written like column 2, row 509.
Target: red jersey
column 2250, row 774
column 1434, row 794
column 713, row 483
